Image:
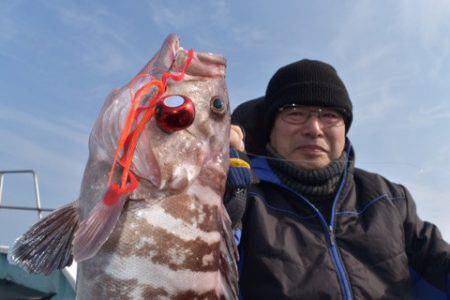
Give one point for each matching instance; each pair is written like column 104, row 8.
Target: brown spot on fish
column 190, row 210
column 214, row 179
column 177, row 254
column 163, row 247
column 153, row 293
column 190, row 295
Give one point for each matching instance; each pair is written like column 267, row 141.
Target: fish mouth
column 203, row 64
column 211, row 58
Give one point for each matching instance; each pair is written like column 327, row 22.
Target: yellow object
column 237, row 162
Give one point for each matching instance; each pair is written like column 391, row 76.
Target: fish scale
column 172, row 238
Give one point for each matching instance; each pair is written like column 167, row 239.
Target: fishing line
column 411, row 165
column 134, row 125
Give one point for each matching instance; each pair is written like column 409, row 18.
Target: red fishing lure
column 169, row 119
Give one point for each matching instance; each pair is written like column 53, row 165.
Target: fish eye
column 218, row 106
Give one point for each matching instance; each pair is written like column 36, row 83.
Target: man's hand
column 237, row 138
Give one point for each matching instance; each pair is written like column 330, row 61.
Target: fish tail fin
column 47, row 245
column 94, row 231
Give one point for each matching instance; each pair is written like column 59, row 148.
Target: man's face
column 311, row 145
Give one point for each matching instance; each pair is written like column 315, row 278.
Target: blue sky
column 60, row 59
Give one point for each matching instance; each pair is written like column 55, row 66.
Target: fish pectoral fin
column 94, row 231
column 47, row 245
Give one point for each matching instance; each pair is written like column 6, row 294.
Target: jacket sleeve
column 428, row 253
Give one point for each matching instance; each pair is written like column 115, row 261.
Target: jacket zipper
column 329, row 233
column 330, row 237
column 334, row 249
column 340, row 266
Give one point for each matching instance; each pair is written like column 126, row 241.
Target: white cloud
column 248, row 36
column 8, row 28
column 165, row 17
column 384, row 60
column 11, row 29
column 435, row 168
column 427, row 24
column 206, row 19
column 100, row 47
column 185, row 14
column 432, row 205
column 104, row 48
column 427, row 20
column 67, row 129
column 377, row 105
column 429, row 115
column 373, row 57
column 28, row 152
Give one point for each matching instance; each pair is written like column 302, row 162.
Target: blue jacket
column 373, row 246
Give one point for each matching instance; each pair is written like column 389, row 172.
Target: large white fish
column 170, row 238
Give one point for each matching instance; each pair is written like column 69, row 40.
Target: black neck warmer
column 319, row 186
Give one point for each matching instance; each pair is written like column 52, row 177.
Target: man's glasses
column 297, row 114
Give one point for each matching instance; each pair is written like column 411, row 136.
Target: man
column 316, row 227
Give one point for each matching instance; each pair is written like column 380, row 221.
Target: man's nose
column 313, row 125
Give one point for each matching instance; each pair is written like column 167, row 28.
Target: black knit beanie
column 306, row 82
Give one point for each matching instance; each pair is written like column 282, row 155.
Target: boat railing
column 70, row 271
column 38, row 208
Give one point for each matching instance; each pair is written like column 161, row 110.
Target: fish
column 166, row 233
